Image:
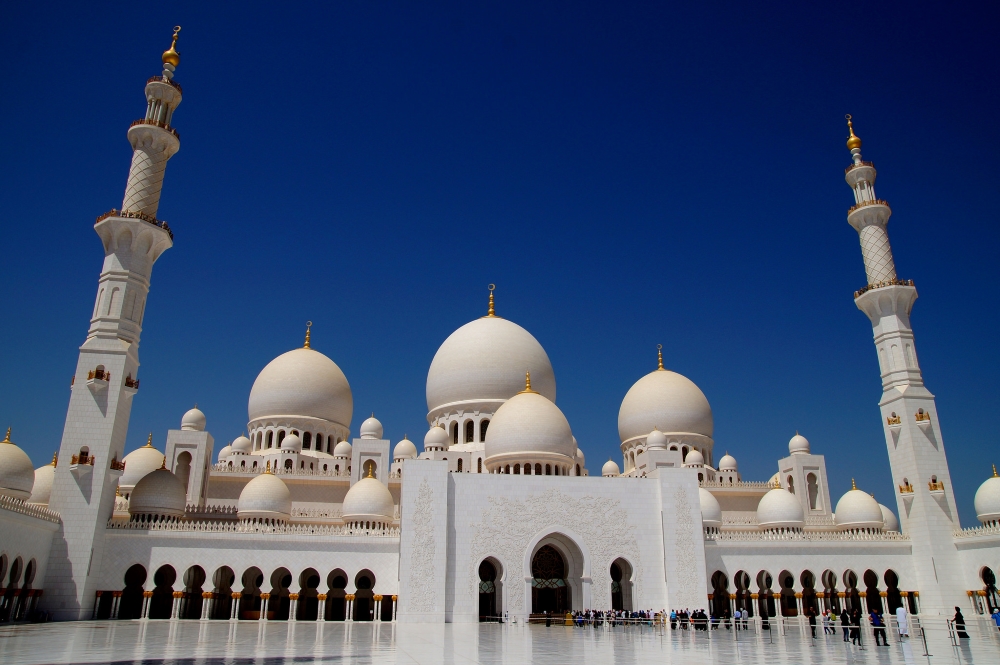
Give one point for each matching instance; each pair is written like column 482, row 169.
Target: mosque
column 298, row 520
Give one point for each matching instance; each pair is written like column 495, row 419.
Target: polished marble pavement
column 211, row 642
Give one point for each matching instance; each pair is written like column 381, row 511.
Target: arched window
column 281, row 437
column 288, row 464
column 479, row 465
column 270, row 440
column 470, row 431
column 182, row 468
column 336, row 469
column 482, row 429
column 812, row 487
column 527, row 469
column 538, row 469
column 548, row 469
column 460, row 465
column 701, row 477
column 578, row 469
column 507, row 469
column 791, row 485
column 454, row 433
column 517, row 469
column 306, row 441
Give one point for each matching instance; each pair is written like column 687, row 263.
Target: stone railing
column 854, row 166
column 156, row 123
column 223, row 467
column 977, row 531
column 808, row 536
column 743, row 484
column 228, row 526
column 170, row 82
column 29, row 509
column 879, row 285
column 874, row 202
column 741, row 517
column 819, row 520
column 217, row 511
column 128, row 214
column 332, row 513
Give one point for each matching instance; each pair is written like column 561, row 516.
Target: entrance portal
column 549, row 592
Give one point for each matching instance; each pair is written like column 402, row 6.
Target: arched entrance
column 364, row 597
column 336, row 604
column 222, row 592
column 549, row 592
column 130, row 605
column 162, row 603
column 489, row 596
column 194, row 578
column 621, row 585
column 720, row 595
column 308, row 605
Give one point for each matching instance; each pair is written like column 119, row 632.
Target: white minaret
column 106, row 379
column 924, row 493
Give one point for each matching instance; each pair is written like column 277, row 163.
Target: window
column 548, row 469
column 281, row 437
column 479, row 465
column 470, row 431
column 538, row 469
column 791, row 485
column 454, row 433
column 527, row 469
column 812, row 487
column 578, row 469
column 460, row 466
column 306, row 441
column 517, row 469
column 482, row 429
column 270, row 440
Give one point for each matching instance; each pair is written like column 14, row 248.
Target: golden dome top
column 171, row 55
column 852, row 141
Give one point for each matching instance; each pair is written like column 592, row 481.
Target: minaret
column 924, row 493
column 106, row 377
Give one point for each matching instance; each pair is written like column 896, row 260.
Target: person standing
column 878, row 627
column 737, row 615
column 856, row 627
column 996, row 617
column 812, row 622
column 960, row 625
column 845, row 621
column 901, row 622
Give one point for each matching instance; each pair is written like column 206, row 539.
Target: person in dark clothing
column 845, row 620
column 960, row 625
column 548, row 620
column 856, row 627
column 812, row 622
column 878, row 626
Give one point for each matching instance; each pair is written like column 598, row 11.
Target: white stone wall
column 29, row 538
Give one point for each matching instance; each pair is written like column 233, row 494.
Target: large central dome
column 303, row 383
column 485, row 360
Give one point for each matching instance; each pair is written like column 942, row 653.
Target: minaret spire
column 491, row 312
column 659, row 357
column 908, row 412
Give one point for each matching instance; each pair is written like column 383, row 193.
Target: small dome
column 266, row 497
column 888, row 519
column 302, row 382
column 798, row 444
column 657, row 440
column 529, row 423
column 404, row 450
column 193, row 420
column 158, row 493
column 666, row 401
column 728, row 463
column 694, row 458
column 343, row 449
column 291, row 443
column 225, row 452
column 17, row 474
column 241, row 445
column 858, row 510
column 436, row 437
column 371, row 429
column 711, row 511
column 42, row 488
column 779, row 509
column 987, row 501
column 139, row 463
column 610, row 469
column 485, row 360
column 368, row 500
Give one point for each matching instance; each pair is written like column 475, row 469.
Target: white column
column 175, row 607
column 293, row 602
column 146, row 596
column 235, row 608
column 207, row 605
column 321, row 610
column 116, row 602
column 264, row 599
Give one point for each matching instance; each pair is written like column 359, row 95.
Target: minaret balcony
column 128, row 214
column 116, row 468
column 935, row 488
column 170, row 82
column 81, row 464
column 880, row 285
column 864, row 204
column 156, row 123
column 98, row 380
column 859, row 164
column 131, row 386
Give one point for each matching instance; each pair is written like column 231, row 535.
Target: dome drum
column 331, row 433
column 496, row 463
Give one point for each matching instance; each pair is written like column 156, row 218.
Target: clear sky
column 627, row 173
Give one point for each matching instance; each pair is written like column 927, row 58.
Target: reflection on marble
column 213, row 642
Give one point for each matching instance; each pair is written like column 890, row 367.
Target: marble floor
column 194, row 642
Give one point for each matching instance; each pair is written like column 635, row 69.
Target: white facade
column 300, row 521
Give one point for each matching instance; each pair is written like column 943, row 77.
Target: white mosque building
column 498, row 515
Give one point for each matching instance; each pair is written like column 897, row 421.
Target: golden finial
column 491, row 313
column 369, row 469
column 853, row 486
column 118, row 491
column 6, row 439
column 309, row 324
column 527, row 384
column 171, row 55
column 267, row 469
column 163, row 464
column 777, row 483
column 853, row 142
column 149, row 441
column 659, row 357
column 995, row 471
column 55, row 458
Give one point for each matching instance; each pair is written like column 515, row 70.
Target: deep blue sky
column 628, row 174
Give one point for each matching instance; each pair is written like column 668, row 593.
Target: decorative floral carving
column 686, row 594
column 508, row 524
column 423, row 574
